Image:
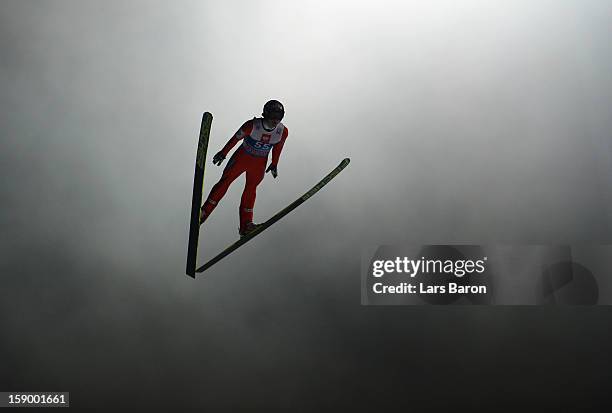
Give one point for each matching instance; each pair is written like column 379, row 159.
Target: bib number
column 260, row 145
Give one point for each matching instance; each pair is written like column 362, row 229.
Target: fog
column 472, row 121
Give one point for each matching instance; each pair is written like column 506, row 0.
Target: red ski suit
column 251, row 157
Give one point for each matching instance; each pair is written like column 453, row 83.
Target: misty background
column 471, row 121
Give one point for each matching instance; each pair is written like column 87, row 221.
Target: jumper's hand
column 218, row 158
column 272, row 168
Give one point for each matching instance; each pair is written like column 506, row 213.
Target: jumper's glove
column 272, row 168
column 218, row 158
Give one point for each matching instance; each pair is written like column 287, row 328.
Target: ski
column 276, row 217
column 196, row 199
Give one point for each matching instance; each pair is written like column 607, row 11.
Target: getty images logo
column 495, row 274
column 413, row 268
column 433, row 274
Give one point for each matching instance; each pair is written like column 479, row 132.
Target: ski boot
column 248, row 228
column 202, row 215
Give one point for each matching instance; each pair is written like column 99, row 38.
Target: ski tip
column 207, row 115
column 346, row 161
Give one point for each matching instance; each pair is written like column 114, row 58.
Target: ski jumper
column 251, row 157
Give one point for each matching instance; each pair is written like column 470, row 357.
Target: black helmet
column 273, row 109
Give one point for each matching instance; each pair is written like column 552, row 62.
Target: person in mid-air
column 260, row 136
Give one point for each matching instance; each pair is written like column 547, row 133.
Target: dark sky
column 472, row 121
